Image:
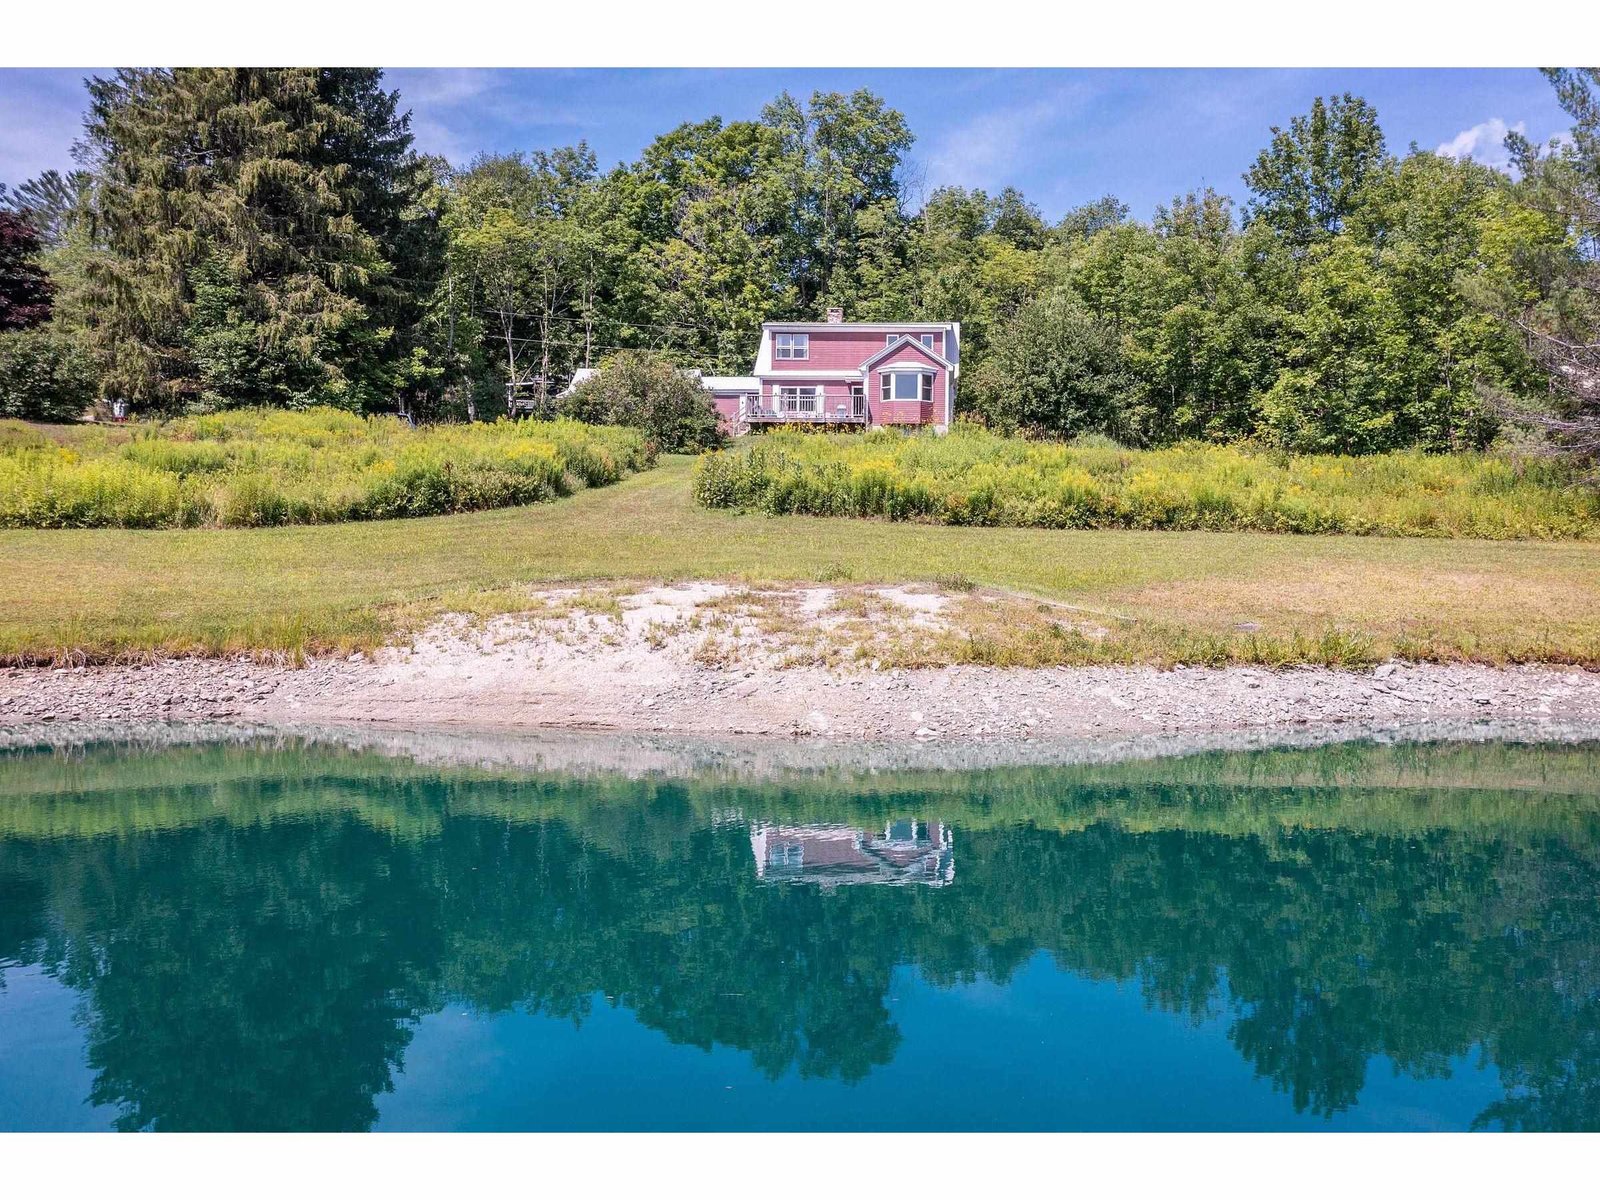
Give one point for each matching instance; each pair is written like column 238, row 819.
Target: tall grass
column 272, row 467
column 972, row 477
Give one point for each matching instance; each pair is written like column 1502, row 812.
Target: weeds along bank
column 973, row 477
column 275, row 467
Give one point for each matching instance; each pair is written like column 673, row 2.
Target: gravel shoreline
column 639, row 663
column 966, row 704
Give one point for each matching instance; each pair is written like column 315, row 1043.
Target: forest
column 272, row 237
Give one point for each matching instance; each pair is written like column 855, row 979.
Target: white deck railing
column 770, row 409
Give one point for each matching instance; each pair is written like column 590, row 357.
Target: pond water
column 298, row 935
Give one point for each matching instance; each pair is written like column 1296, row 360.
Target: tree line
column 272, row 236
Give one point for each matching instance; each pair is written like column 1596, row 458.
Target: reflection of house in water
column 907, row 852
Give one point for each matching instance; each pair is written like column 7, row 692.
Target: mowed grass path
column 97, row 594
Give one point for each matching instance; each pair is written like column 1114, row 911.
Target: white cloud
column 1484, row 143
column 459, row 112
column 983, row 150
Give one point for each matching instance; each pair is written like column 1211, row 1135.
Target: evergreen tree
column 267, row 206
column 49, row 202
column 1554, row 304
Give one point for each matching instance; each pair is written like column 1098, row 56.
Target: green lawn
column 1165, row 596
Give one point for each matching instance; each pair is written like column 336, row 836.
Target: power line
column 695, row 327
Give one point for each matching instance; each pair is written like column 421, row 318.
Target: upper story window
column 792, row 345
column 926, row 339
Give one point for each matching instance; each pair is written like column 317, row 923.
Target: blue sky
column 1063, row 136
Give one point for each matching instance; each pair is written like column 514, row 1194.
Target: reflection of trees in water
column 269, row 975
column 239, row 978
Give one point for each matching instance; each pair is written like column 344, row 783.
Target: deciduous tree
column 1314, row 175
column 25, row 289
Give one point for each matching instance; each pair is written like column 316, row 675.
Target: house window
column 793, row 345
column 908, row 385
column 927, row 340
column 798, row 399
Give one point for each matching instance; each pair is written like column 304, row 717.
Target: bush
column 44, row 376
column 973, row 477
column 271, row 467
column 647, row 392
column 1055, row 370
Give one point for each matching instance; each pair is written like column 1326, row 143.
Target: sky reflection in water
column 306, row 937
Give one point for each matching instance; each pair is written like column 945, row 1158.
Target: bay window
column 908, row 385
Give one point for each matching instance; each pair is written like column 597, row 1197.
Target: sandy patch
column 720, row 660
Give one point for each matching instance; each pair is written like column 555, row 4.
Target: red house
column 837, row 373
column 909, row 852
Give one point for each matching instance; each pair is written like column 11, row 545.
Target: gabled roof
column 865, row 326
column 952, row 330
column 900, row 343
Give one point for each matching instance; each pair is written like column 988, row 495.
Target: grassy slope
column 109, row 592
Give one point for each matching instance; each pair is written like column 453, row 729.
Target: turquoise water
column 297, row 936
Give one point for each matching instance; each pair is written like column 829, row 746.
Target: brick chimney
column 836, row 316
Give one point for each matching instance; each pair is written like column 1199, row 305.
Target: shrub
column 44, row 376
column 1054, row 369
column 647, row 392
column 272, row 467
column 973, row 477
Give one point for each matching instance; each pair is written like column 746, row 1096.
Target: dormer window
column 792, row 345
column 926, row 339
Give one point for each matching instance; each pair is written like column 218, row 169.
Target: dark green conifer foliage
column 272, row 206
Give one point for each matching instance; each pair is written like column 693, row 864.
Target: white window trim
column 924, row 385
column 786, row 345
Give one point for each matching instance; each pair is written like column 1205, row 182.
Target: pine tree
column 271, row 210
column 1559, row 318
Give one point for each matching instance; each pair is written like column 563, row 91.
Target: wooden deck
column 768, row 417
